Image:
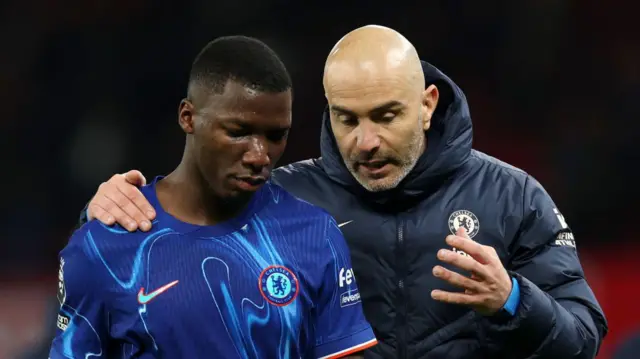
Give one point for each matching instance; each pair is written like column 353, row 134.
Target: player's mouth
column 249, row 183
column 374, row 168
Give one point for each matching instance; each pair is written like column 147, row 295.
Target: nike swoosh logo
column 345, row 223
column 146, row 298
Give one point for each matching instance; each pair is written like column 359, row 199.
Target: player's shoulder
column 92, row 229
column 96, row 237
column 101, row 231
column 290, row 204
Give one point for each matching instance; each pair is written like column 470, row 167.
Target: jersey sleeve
column 340, row 326
column 82, row 326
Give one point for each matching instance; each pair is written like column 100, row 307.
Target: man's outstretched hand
column 488, row 287
column 120, row 201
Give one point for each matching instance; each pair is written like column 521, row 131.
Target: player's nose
column 257, row 155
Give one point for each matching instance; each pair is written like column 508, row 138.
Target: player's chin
column 237, row 197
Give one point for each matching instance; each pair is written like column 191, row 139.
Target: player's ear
column 430, row 98
column 185, row 116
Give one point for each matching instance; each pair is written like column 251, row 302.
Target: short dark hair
column 243, row 59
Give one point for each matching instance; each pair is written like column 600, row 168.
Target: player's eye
column 237, row 132
column 278, row 135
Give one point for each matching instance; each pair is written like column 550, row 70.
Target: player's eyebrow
column 243, row 123
column 393, row 104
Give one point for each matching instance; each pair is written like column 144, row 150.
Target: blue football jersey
column 275, row 282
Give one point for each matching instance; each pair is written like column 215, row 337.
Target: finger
column 463, row 262
column 471, row 247
column 454, row 298
column 457, row 279
column 134, row 195
column 130, row 208
column 462, row 232
column 135, row 178
column 114, row 203
column 96, row 212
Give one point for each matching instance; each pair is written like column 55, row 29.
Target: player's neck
column 187, row 197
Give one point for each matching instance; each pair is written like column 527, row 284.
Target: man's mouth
column 250, row 183
column 374, row 168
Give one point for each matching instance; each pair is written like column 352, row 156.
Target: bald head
column 373, row 53
column 378, row 104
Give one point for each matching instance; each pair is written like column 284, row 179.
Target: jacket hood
column 449, row 142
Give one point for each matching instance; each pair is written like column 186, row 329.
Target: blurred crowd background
column 91, row 88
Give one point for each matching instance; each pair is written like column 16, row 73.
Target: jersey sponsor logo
column 146, row 298
column 62, row 292
column 278, row 285
column 346, row 277
column 63, row 322
column 465, row 219
column 350, row 297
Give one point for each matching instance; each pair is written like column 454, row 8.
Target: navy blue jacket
column 394, row 236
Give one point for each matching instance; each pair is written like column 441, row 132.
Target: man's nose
column 367, row 138
column 257, row 156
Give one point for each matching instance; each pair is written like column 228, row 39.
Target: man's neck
column 185, row 195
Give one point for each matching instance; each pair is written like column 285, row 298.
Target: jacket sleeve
column 82, row 219
column 558, row 315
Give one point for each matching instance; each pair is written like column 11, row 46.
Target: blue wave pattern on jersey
column 241, row 256
column 69, row 333
column 137, row 267
column 240, row 321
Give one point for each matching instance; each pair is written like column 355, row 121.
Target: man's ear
column 430, row 98
column 185, row 116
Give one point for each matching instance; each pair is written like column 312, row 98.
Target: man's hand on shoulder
column 120, row 201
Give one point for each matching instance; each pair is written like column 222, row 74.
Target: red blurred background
column 91, row 88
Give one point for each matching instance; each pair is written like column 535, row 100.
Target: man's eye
column 237, row 133
column 277, row 136
column 388, row 117
column 348, row 120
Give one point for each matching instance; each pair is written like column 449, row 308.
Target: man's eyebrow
column 384, row 107
column 245, row 124
column 388, row 106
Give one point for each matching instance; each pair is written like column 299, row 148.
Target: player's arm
column 341, row 329
column 558, row 315
column 120, row 201
column 82, row 322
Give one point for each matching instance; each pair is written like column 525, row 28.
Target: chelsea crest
column 465, row 219
column 278, row 285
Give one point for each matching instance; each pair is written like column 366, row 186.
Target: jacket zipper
column 401, row 320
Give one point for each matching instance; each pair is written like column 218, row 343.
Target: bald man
column 456, row 254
